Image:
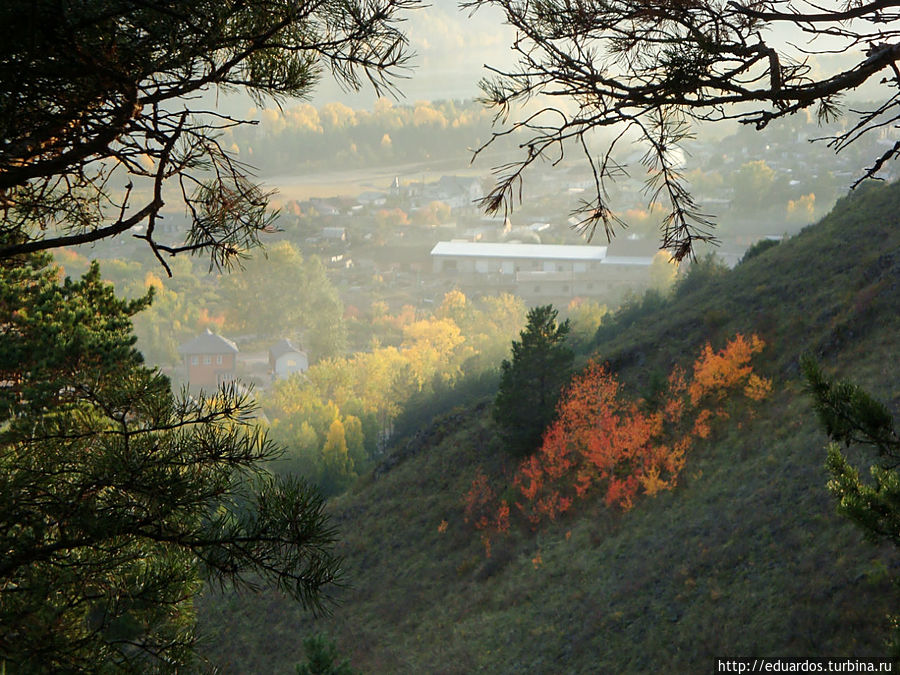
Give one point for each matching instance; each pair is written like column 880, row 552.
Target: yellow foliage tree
column 663, row 272
column 802, row 209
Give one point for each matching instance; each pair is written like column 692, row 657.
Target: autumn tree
column 646, row 73
column 754, row 183
column 432, row 214
column 324, row 332
column 102, row 110
column 663, row 272
column 429, row 347
column 480, row 510
column 119, row 499
column 487, row 323
column 530, row 382
column 603, row 441
column 434, row 360
column 337, row 464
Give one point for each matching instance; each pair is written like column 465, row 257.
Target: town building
column 540, row 272
column 285, row 360
column 209, row 359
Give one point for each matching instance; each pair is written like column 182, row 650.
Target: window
column 207, row 360
column 218, row 359
column 195, row 360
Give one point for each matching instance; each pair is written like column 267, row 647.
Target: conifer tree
column 656, row 71
column 322, row 658
column 118, row 498
column 530, row 383
column 851, row 417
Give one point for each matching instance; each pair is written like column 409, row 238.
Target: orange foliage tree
column 603, row 442
column 482, row 512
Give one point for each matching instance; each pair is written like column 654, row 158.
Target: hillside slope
column 745, row 557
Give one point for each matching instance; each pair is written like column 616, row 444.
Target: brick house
column 209, row 359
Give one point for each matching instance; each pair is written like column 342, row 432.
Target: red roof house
column 209, row 359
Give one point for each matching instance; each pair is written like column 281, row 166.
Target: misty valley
column 514, row 337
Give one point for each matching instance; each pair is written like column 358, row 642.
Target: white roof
column 477, row 249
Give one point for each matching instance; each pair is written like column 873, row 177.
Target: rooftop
column 208, row 343
column 282, row 347
column 479, row 249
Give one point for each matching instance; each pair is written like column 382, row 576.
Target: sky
column 451, row 48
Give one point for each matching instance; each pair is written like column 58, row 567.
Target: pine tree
column 118, row 498
column 530, row 383
column 851, row 417
column 102, row 93
column 659, row 70
column 321, row 655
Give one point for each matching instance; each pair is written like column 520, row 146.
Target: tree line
column 335, row 136
column 336, row 419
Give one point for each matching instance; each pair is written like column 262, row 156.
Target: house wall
column 289, row 363
column 490, row 265
column 624, row 274
column 545, row 280
column 209, row 369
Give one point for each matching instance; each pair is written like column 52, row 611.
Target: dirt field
column 352, row 182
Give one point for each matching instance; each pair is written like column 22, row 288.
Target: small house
column 334, row 233
column 209, row 359
column 285, row 359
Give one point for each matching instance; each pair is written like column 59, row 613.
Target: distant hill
column 745, row 557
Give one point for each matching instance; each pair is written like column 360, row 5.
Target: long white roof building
column 530, row 251
column 540, row 271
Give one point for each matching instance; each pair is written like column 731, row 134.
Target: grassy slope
column 745, row 557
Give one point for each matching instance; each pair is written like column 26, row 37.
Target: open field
column 349, row 183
